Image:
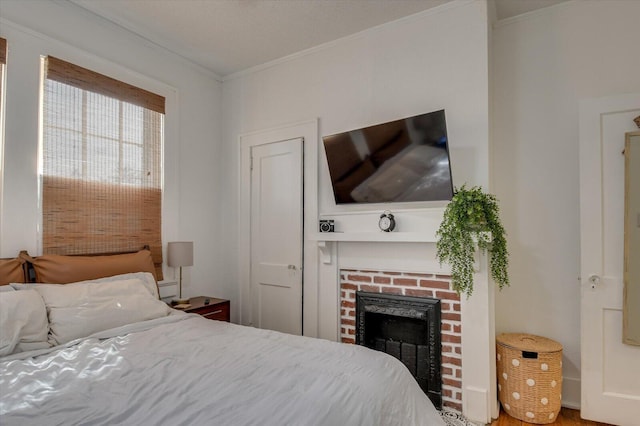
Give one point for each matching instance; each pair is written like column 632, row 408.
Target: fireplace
column 407, row 328
column 420, row 285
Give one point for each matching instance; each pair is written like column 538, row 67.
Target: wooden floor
column 567, row 417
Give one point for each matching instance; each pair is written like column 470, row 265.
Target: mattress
column 183, row 369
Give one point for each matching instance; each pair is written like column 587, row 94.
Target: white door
column 610, row 369
column 276, row 236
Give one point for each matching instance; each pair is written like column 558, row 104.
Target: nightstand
column 217, row 309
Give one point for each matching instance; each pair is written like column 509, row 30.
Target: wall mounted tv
column 399, row 161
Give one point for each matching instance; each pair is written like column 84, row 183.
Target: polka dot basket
column 529, row 377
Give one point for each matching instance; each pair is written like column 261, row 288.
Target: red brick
column 360, row 278
column 451, row 382
column 418, row 292
column 391, row 290
column 349, row 322
column 434, row 284
column 447, row 392
column 450, row 316
column 348, row 304
column 447, row 349
column 447, row 371
column 447, row 295
column 405, row 281
column 343, row 330
column 456, row 307
column 348, row 286
column 455, row 405
column 451, row 339
column 445, row 306
column 458, row 350
column 381, row 280
column 443, row 277
column 352, row 314
column 450, row 360
column 457, row 328
column 392, row 273
column 370, row 288
column 445, row 326
column 351, row 332
column 459, row 374
column 343, row 312
column 348, row 340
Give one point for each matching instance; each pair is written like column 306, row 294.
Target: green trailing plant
column 472, row 220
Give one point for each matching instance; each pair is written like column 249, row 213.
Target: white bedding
column 184, row 370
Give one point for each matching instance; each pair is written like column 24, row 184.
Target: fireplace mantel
column 383, row 237
column 364, row 248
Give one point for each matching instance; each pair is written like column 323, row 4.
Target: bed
column 107, row 351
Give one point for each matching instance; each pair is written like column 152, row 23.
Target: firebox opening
column 407, row 328
column 393, row 328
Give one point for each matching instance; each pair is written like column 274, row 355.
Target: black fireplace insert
column 407, row 328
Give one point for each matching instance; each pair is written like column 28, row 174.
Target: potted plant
column 472, row 220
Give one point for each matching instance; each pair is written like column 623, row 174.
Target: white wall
column 544, row 63
column 423, row 63
column 429, row 61
column 193, row 181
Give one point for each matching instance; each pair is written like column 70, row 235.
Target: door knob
column 594, row 280
column 293, row 267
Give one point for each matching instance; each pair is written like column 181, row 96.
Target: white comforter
column 184, row 370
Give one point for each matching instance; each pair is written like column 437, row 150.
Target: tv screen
column 399, row 161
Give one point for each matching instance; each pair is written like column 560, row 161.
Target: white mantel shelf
column 389, row 237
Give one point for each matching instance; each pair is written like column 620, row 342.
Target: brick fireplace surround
column 419, row 285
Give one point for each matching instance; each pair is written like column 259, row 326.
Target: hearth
column 407, row 328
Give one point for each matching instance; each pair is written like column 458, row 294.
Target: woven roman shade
column 3, row 61
column 101, row 164
column 3, row 51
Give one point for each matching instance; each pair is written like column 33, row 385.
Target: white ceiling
column 226, row 36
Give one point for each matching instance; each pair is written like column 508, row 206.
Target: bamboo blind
column 91, row 81
column 3, row 51
column 101, row 165
column 3, row 61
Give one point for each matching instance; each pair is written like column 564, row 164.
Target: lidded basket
column 529, row 372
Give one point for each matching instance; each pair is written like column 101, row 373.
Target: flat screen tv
column 399, row 161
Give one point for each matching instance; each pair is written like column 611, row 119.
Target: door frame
column 308, row 131
column 591, row 262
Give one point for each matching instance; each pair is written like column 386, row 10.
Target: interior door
column 276, row 235
column 610, row 369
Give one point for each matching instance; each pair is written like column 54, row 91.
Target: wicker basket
column 529, row 377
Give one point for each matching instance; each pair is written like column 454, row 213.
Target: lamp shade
column 180, row 253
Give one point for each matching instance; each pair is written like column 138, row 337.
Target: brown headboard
column 12, row 270
column 62, row 269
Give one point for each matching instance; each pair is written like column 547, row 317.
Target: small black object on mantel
column 207, row 301
column 326, row 225
column 387, row 222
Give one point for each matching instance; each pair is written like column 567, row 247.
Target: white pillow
column 23, row 322
column 146, row 278
column 80, row 309
column 5, row 288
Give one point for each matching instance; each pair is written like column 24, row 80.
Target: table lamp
column 180, row 253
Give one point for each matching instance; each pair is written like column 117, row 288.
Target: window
column 3, row 62
column 101, row 163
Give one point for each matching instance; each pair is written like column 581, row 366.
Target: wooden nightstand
column 217, row 309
